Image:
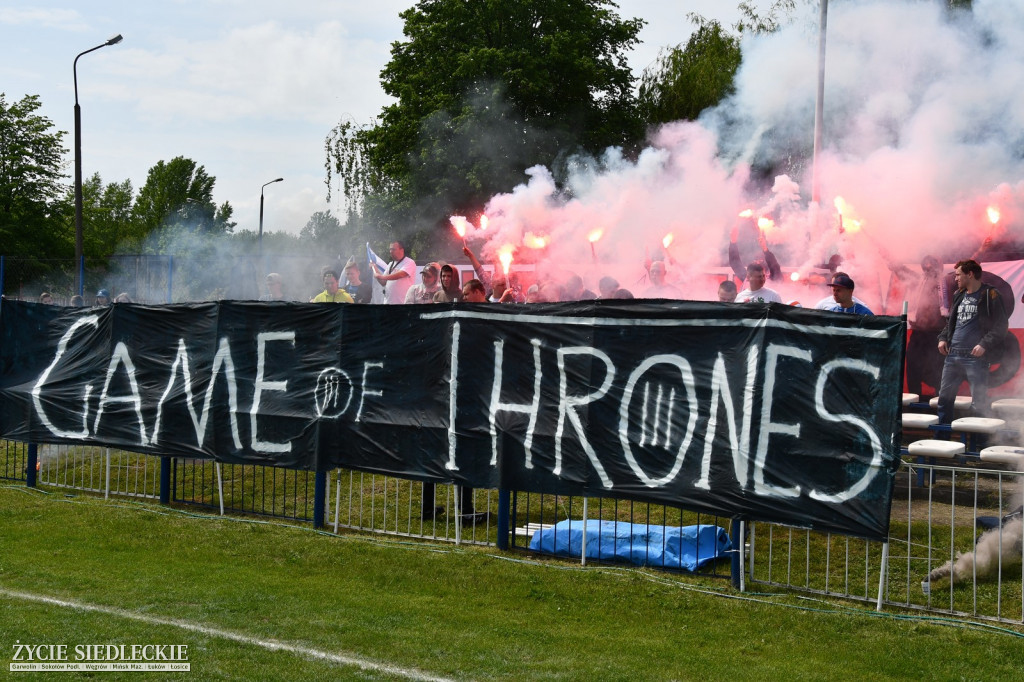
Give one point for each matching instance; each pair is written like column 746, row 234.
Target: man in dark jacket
column 973, row 334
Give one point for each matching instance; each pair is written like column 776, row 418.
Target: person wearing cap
column 102, row 297
column 331, row 292
column 842, row 296
column 972, row 336
column 756, row 291
column 275, row 288
column 829, row 302
column 428, row 286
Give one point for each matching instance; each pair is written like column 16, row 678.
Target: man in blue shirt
column 973, row 335
column 842, row 293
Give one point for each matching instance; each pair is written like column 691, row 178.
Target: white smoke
column 923, row 131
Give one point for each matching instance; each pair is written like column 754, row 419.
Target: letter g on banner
column 651, row 416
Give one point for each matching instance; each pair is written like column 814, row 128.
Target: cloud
column 260, row 71
column 61, row 19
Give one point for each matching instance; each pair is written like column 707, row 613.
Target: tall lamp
column 261, row 211
column 79, row 283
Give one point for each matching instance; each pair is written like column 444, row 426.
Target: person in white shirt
column 756, row 291
column 399, row 276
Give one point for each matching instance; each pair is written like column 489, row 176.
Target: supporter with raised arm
column 736, row 263
column 399, row 276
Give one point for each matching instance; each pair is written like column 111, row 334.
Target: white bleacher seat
column 909, row 398
column 912, row 420
column 1004, row 454
column 936, row 448
column 962, row 402
column 977, row 424
column 1009, row 408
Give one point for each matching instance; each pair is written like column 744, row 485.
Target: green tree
column 31, row 183
column 179, row 193
column 484, row 90
column 684, row 82
column 321, row 228
column 108, row 221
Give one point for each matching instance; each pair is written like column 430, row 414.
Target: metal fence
column 932, row 526
column 962, row 512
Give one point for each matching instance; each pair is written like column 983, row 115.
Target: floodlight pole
column 819, row 106
column 261, row 211
column 79, row 248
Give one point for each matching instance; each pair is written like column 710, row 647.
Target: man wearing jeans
column 972, row 335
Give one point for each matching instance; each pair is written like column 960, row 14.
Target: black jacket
column 994, row 321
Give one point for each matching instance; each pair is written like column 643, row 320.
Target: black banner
column 765, row 411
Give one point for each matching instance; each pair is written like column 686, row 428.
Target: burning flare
column 765, row 223
column 667, row 240
column 483, row 222
column 505, row 256
column 459, row 223
column 795, row 277
column 993, row 214
column 840, row 205
column 595, row 235
column 749, row 213
column 534, row 241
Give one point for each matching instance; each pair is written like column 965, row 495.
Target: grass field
column 256, row 600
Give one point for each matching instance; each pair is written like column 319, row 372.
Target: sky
column 248, row 89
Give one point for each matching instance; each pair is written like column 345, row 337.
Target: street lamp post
column 79, row 283
column 261, row 211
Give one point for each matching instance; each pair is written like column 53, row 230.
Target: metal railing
column 964, row 511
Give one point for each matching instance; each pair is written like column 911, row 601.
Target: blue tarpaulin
column 688, row 547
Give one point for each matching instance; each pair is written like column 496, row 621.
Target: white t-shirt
column 396, row 289
column 829, row 302
column 762, row 295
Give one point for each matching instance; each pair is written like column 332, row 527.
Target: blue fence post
column 738, row 545
column 504, row 510
column 319, row 498
column 165, row 480
column 30, row 466
column 2, row 259
column 81, row 276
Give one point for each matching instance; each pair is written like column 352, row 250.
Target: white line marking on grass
column 269, row 644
